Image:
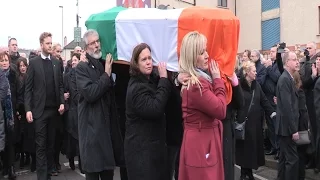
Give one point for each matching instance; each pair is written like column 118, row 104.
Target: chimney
column 65, row 41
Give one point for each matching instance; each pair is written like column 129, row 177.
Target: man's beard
column 96, row 55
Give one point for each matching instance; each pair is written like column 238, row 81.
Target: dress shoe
column 271, row 152
column 71, row 164
column 316, row 170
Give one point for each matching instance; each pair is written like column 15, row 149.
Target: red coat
column 201, row 150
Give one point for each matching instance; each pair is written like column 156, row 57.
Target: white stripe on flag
column 158, row 28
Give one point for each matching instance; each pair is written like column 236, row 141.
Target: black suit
column 43, row 116
column 287, row 124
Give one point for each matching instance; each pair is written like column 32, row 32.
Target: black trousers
column 45, row 135
column 271, row 126
column 9, row 153
column 104, row 175
column 289, row 159
column 57, row 145
column 173, row 153
column 302, row 161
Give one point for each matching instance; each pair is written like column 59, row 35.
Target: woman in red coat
column 203, row 105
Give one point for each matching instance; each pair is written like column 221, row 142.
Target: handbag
column 239, row 128
column 304, row 138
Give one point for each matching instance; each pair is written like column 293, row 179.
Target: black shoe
column 271, row 152
column 316, row 170
column 12, row 174
column 276, row 157
column 71, row 164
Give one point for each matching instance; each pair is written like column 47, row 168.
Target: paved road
column 68, row 174
column 262, row 173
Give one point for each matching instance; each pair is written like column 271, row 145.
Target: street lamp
column 62, row 44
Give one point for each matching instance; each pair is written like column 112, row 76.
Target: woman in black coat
column 71, row 122
column 250, row 151
column 145, row 137
column 27, row 129
column 228, row 128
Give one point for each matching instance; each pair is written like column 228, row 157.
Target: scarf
column 7, row 106
column 204, row 74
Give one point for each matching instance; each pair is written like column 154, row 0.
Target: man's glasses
column 94, row 42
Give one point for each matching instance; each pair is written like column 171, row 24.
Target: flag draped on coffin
column 121, row 29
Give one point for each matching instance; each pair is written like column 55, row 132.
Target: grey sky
column 27, row 19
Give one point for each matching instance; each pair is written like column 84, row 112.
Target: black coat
column 236, row 103
column 71, row 122
column 16, row 97
column 145, row 138
column 100, row 140
column 35, row 86
column 287, row 106
column 250, row 152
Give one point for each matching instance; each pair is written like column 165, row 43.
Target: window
column 222, row 3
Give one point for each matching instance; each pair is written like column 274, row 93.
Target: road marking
column 255, row 175
column 76, row 170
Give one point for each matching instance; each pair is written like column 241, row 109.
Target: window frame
column 223, row 3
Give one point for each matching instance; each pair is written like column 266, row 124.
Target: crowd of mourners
column 155, row 124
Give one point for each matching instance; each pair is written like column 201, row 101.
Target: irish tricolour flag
column 121, row 29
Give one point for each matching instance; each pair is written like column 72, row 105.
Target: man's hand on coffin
column 108, row 65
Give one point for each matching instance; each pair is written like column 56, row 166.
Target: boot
column 71, row 163
column 12, row 174
column 33, row 163
column 21, row 160
column 250, row 174
column 243, row 175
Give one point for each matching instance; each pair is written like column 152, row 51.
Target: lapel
column 41, row 69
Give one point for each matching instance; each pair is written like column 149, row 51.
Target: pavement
column 263, row 173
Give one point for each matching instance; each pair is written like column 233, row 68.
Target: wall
column 249, row 13
column 299, row 21
column 188, row 3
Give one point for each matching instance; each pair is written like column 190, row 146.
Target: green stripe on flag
column 104, row 23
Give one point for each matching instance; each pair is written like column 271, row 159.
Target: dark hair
column 11, row 40
column 77, row 55
column 22, row 59
column 248, row 53
column 44, row 35
column 32, row 55
column 134, row 67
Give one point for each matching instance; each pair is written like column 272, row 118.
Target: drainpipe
column 235, row 7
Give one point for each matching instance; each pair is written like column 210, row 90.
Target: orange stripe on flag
column 221, row 27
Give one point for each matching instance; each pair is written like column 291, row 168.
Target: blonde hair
column 192, row 46
column 55, row 45
column 246, row 67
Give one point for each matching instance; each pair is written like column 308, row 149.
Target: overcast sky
column 27, row 19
